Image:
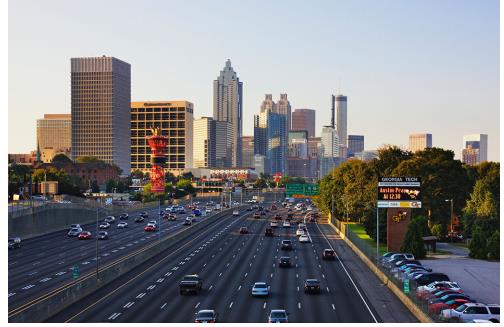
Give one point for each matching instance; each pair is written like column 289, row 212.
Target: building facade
column 470, row 156
column 366, row 155
column 248, row 151
column 223, row 144
column 476, row 141
column 330, row 146
column 228, row 106
column 54, row 135
column 175, row 120
column 339, row 117
column 270, row 139
column 284, row 108
column 204, row 142
column 420, row 142
column 355, row 144
column 304, row 119
column 23, row 158
column 100, row 104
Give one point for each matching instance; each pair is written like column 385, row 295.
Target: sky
column 409, row 66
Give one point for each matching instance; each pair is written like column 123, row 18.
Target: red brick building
column 88, row 172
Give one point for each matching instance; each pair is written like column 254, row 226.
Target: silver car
column 74, row 232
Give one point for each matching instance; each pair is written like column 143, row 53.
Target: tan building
column 175, row 119
column 470, row 156
column 204, row 142
column 54, row 135
column 420, row 142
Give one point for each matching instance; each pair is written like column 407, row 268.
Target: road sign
column 406, row 286
column 302, row 190
column 400, row 204
column 75, row 272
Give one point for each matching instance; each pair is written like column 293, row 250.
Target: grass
column 360, row 232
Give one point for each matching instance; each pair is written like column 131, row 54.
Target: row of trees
column 474, row 190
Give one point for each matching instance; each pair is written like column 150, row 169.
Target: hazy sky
column 406, row 66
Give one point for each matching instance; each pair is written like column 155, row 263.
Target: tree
column 61, row 158
column 121, row 187
column 482, row 205
column 437, row 230
column 137, row 174
column 88, row 159
column 494, row 245
column 94, row 187
column 478, row 244
column 186, row 185
column 260, row 183
column 413, row 242
column 111, row 184
column 170, row 178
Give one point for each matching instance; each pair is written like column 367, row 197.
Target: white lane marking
column 27, row 287
column 210, row 288
column 271, row 275
column 160, row 280
column 33, row 273
column 250, row 264
column 45, row 279
column 204, row 265
column 346, row 272
column 333, row 307
column 297, row 275
column 182, row 263
column 114, row 316
column 246, row 274
column 128, row 305
column 151, row 287
column 122, row 248
column 187, row 259
column 239, row 287
column 299, row 305
column 114, row 251
column 60, row 273
column 220, row 274
column 164, row 305
column 264, row 306
column 323, row 276
column 192, row 254
column 296, row 265
column 36, row 263
column 320, row 266
column 61, row 262
column 298, row 288
column 227, row 264
column 86, row 263
column 327, row 288
column 141, row 295
column 234, row 255
column 174, row 268
column 168, row 274
column 11, row 294
column 197, row 305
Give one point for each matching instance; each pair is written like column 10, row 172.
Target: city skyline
column 439, row 83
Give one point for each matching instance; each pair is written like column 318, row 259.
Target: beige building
column 54, row 135
column 175, row 119
column 420, row 142
column 204, row 142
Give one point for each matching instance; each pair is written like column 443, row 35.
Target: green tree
column 88, row 159
column 121, row 187
column 413, row 242
column 137, row 174
column 437, row 230
column 186, row 185
column 478, row 244
column 61, row 158
column 260, row 183
column 94, row 187
column 111, row 184
column 494, row 245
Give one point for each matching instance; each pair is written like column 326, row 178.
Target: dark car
column 124, row 216
column 427, row 278
column 139, row 219
column 191, row 284
column 14, row 243
column 249, row 209
column 284, row 262
column 102, row 235
column 263, row 213
column 257, row 215
column 328, row 254
column 197, row 212
column 286, row 245
column 312, row 286
column 144, row 214
column 269, row 232
column 243, row 230
column 206, row 316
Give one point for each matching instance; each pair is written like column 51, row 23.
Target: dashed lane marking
column 264, row 306
column 45, row 279
column 197, row 305
column 220, row 274
column 333, row 307
column 12, row 294
column 151, row 287
column 299, row 305
column 327, row 288
column 174, row 268
column 271, row 275
column 160, row 280
column 230, row 305
column 60, row 273
column 164, row 305
column 114, row 316
column 210, row 288
column 141, row 295
column 246, row 274
column 27, row 287
column 298, row 288
column 239, row 287
column 168, row 274
column 128, row 305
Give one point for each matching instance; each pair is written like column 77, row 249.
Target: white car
column 470, row 311
column 122, row 224
column 286, row 224
column 104, row 225
column 273, row 224
column 301, row 226
column 304, row 239
column 300, row 232
column 208, row 210
column 152, row 222
column 236, row 213
column 437, row 284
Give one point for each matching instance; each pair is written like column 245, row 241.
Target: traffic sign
column 400, row 204
column 75, row 272
column 406, row 286
column 301, row 190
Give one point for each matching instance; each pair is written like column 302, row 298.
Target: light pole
column 96, row 241
column 451, row 218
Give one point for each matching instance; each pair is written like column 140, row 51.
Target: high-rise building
column 204, row 142
column 268, row 103
column 339, row 117
column 470, row 156
column 228, row 106
column 270, row 139
column 355, row 144
column 330, row 150
column 284, row 108
column 314, row 146
column 54, row 135
column 101, row 97
column 420, row 142
column 297, row 161
column 223, row 144
column 304, row 119
column 175, row 120
column 248, row 151
column 479, row 142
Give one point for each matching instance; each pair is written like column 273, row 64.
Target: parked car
column 469, row 311
column 427, row 278
column 424, row 291
column 436, row 308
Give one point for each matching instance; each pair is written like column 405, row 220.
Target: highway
column 229, row 264
column 44, row 263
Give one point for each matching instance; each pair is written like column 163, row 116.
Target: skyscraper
column 355, row 144
column 54, row 135
column 330, row 146
column 420, row 142
column 228, row 97
column 270, row 140
column 204, row 142
column 268, row 103
column 341, row 117
column 284, row 108
column 476, row 141
column 304, row 119
column 248, row 151
column 100, row 106
column 223, row 144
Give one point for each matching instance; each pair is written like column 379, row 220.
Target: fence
column 407, row 286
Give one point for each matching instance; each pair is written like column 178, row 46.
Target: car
column 436, row 308
column 74, row 226
column 139, row 219
column 150, row 228
column 304, row 239
column 124, row 216
column 153, row 222
column 144, row 214
column 236, row 213
column 269, row 232
column 286, row 245
column 181, row 210
column 104, row 225
column 208, row 210
column 243, row 230
column 469, row 311
column 284, row 262
column 74, row 232
column 187, row 221
column 172, row 217
column 14, row 243
column 449, row 297
column 278, row 217
column 110, row 219
column 249, row 209
column 273, row 224
column 85, row 235
column 257, row 215
column 312, row 286
column 122, row 224
column 102, row 235
column 427, row 278
column 260, row 289
column 328, row 254
column 192, row 217
column 263, row 212
column 190, row 284
column 278, row 316
column 423, row 292
column 197, row 212
column 300, row 232
column 286, row 224
column 206, row 316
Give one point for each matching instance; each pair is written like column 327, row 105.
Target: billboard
column 399, row 192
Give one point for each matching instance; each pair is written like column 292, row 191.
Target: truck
column 191, row 284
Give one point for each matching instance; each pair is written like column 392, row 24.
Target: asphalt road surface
column 229, row 263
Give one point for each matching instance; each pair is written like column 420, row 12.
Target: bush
column 437, row 230
column 478, row 244
column 494, row 245
column 413, row 242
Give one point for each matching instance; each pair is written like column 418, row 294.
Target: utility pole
column 451, row 218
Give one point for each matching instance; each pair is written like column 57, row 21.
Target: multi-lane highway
column 229, row 264
column 45, row 263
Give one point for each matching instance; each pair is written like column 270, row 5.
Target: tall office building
column 355, row 144
column 314, row 154
column 476, row 141
column 223, row 144
column 175, row 119
column 304, row 119
column 420, row 142
column 284, row 108
column 298, row 162
column 339, row 117
column 248, row 151
column 54, row 135
column 101, row 97
column 268, row 104
column 228, row 106
column 270, row 140
column 330, row 146
column 204, row 142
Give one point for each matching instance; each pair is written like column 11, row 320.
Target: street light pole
column 377, row 236
column 96, row 241
column 451, row 218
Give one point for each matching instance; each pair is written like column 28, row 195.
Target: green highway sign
column 406, row 286
column 301, row 190
column 75, row 272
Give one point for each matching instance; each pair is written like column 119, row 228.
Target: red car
column 150, row 228
column 436, row 308
column 84, row 236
